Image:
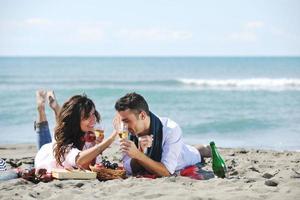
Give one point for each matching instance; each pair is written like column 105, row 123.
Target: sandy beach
column 253, row 174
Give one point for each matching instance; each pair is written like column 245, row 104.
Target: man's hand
column 128, row 147
column 145, row 142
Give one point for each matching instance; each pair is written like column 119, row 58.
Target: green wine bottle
column 218, row 164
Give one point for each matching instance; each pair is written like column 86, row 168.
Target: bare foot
column 52, row 101
column 41, row 99
column 204, row 150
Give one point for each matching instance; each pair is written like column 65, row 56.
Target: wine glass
column 99, row 132
column 123, row 130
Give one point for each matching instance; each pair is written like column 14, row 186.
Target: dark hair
column 134, row 102
column 68, row 132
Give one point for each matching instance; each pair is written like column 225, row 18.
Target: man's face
column 134, row 121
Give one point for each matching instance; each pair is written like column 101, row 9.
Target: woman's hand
column 114, row 134
column 117, row 122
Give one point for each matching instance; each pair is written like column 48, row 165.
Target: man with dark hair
column 155, row 144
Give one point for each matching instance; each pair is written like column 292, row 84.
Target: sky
column 150, row 28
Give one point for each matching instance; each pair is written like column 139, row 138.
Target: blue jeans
column 43, row 133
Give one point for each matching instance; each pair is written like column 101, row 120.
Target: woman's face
column 88, row 124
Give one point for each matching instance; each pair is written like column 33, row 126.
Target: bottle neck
column 214, row 151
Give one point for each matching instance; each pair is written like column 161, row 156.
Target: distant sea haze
column 251, row 102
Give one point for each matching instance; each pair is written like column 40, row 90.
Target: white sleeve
column 71, row 157
column 126, row 164
column 44, row 157
column 171, row 149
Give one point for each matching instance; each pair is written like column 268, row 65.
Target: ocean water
column 251, row 102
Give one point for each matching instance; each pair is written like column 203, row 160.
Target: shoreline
column 253, row 174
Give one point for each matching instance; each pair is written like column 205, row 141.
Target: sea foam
column 244, row 84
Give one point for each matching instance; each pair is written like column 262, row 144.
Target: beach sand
column 253, row 174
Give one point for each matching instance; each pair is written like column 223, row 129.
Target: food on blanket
column 73, row 174
column 107, row 164
column 108, row 171
column 218, row 164
column 35, row 176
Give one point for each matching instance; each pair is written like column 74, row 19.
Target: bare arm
column 85, row 157
column 150, row 165
column 135, row 166
column 139, row 160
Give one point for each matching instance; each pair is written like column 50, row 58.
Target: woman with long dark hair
column 74, row 121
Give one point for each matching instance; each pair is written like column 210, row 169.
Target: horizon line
column 143, row 56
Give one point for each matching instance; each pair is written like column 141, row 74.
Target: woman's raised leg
column 53, row 103
column 41, row 125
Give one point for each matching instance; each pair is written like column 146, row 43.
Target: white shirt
column 175, row 154
column 45, row 159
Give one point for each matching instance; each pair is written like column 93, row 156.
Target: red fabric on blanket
column 194, row 172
